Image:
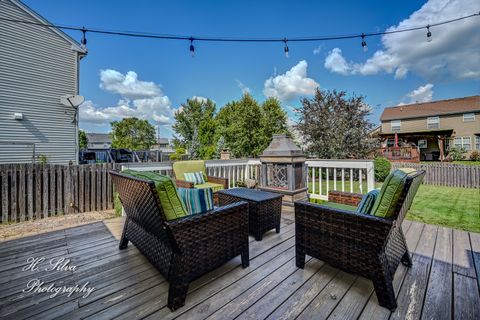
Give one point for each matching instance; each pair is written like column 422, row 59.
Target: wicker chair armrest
column 348, row 198
column 193, row 229
column 184, row 184
column 222, row 181
column 360, row 228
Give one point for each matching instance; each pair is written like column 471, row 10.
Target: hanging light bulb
column 364, row 43
column 429, row 34
column 286, row 47
column 84, row 39
column 192, row 48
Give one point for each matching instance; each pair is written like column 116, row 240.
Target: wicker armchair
column 180, row 167
column 185, row 248
column 366, row 245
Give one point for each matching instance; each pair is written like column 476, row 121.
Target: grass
column 467, row 162
column 457, row 208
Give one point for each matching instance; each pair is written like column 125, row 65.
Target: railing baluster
column 328, row 181
column 351, row 180
column 360, row 173
column 313, row 180
column 343, row 179
column 334, row 178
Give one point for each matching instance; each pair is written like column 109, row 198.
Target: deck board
column 443, row 282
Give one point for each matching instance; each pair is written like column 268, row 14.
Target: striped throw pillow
column 195, row 177
column 366, row 205
column 197, row 200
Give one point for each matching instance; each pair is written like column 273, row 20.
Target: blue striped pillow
column 366, row 205
column 197, row 200
column 195, row 177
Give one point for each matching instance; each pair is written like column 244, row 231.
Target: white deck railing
column 322, row 175
column 340, row 175
column 235, row 170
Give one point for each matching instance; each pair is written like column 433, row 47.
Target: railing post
column 370, row 176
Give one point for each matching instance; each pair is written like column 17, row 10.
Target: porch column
column 441, row 144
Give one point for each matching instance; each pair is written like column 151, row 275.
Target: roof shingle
column 434, row 108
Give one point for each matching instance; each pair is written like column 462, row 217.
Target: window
column 463, row 142
column 395, row 125
column 468, row 117
column 422, row 144
column 433, row 122
column 477, row 142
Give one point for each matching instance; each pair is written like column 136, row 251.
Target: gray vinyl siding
column 37, row 66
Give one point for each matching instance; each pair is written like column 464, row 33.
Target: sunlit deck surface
column 443, row 282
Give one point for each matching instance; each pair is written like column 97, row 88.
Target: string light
column 286, row 47
column 364, row 43
column 231, row 39
column 192, row 48
column 84, row 39
column 429, row 34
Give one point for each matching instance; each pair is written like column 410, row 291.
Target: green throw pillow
column 172, row 205
column 390, row 193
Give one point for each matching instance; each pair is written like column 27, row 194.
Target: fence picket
column 21, row 192
column 4, row 177
column 30, row 194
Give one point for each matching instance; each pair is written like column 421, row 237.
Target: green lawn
column 470, row 163
column 451, row 207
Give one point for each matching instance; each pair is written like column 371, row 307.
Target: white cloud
column 318, row 49
column 335, row 62
column 452, row 53
column 128, row 85
column 291, row 84
column 243, row 87
column 141, row 99
column 199, row 99
column 421, row 94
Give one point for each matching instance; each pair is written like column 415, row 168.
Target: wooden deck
column 442, row 284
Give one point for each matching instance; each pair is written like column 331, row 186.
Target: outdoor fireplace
column 283, row 169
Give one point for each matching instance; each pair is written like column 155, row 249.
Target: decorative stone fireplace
column 283, row 169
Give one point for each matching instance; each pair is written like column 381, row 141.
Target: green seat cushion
column 172, row 205
column 182, row 167
column 335, row 205
column 368, row 201
column 215, row 186
column 390, row 193
column 197, row 200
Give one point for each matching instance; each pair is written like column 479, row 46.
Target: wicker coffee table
column 265, row 208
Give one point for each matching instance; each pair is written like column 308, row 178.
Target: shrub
column 382, row 168
column 475, row 156
column 456, row 154
column 117, row 205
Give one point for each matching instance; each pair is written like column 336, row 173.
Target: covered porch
column 443, row 282
column 431, row 145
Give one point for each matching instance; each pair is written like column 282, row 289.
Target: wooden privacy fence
column 446, row 174
column 29, row 191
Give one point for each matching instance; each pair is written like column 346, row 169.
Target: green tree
column 336, row 126
column 196, row 116
column 274, row 120
column 82, row 140
column 133, row 134
column 241, row 125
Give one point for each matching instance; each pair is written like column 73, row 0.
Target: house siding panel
column 37, row 66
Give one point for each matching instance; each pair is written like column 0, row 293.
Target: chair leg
column 177, row 293
column 123, row 240
column 384, row 289
column 406, row 259
column 299, row 257
column 245, row 257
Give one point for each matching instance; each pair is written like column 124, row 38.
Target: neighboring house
column 163, row 145
column 98, row 141
column 37, row 66
column 432, row 128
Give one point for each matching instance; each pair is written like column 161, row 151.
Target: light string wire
column 232, row 39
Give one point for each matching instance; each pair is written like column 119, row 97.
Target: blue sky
column 401, row 68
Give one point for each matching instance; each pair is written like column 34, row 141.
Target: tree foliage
column 334, row 125
column 133, row 134
column 82, row 140
column 196, row 116
column 244, row 127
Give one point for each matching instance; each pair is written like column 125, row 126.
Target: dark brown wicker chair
column 361, row 244
column 185, row 248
